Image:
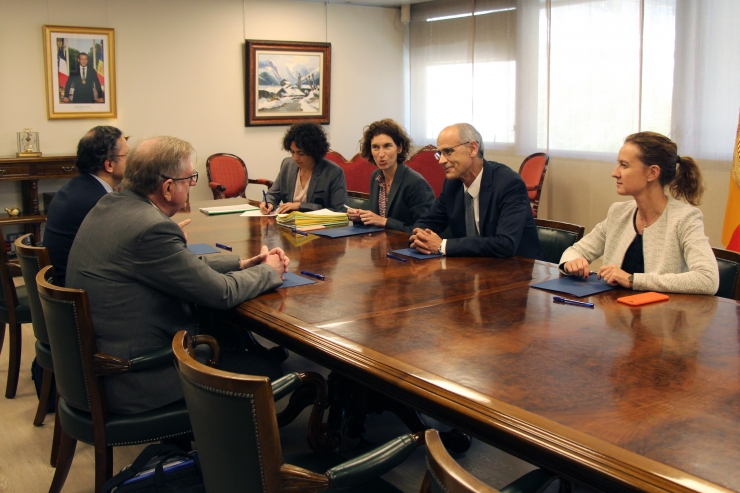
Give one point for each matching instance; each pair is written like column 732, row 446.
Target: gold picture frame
column 80, row 63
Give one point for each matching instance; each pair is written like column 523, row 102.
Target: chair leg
column 14, row 365
column 67, row 446
column 2, row 336
column 46, row 383
column 55, row 441
column 103, row 466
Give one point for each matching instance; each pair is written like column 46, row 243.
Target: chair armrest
column 374, row 463
column 533, row 188
column 535, row 481
column 262, row 181
column 14, row 269
column 216, row 186
column 285, row 385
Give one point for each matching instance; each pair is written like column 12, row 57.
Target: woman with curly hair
column 655, row 242
column 398, row 195
column 306, row 181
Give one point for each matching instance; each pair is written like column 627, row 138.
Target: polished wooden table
column 620, row 398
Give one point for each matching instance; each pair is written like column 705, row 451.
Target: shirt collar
column 107, row 187
column 474, row 188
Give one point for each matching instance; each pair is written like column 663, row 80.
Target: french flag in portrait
column 62, row 65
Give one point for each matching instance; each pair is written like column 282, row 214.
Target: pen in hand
column 350, row 209
column 311, row 274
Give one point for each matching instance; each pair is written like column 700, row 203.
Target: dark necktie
column 470, row 229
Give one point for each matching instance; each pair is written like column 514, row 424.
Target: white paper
column 257, row 213
column 229, row 208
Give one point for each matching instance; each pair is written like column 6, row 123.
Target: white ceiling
column 371, row 3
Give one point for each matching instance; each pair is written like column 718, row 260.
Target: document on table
column 576, row 286
column 292, row 280
column 228, row 209
column 411, row 252
column 257, row 213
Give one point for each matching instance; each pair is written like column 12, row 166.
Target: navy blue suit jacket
column 66, row 212
column 506, row 222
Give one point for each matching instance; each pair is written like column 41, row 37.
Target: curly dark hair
column 96, row 146
column 681, row 174
column 308, row 137
column 392, row 130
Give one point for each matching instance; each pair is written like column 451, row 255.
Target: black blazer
column 66, row 212
column 506, row 222
column 409, row 198
column 83, row 93
column 327, row 188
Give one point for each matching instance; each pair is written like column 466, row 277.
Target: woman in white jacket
column 656, row 242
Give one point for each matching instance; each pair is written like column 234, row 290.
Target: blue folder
column 576, row 286
column 294, row 280
column 202, row 249
column 411, row 252
column 346, row 231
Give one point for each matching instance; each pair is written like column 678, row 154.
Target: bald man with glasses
column 484, row 203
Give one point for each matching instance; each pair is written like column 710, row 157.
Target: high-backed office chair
column 532, row 171
column 424, row 163
column 357, row 171
column 228, row 176
column 729, row 273
column 32, row 259
column 236, row 430
column 555, row 237
column 14, row 311
column 444, row 475
column 79, row 370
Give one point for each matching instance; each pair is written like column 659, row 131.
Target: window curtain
column 575, row 77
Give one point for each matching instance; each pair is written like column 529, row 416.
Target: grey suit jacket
column 327, row 188
column 143, row 284
column 409, row 198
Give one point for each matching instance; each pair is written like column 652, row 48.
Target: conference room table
column 617, row 397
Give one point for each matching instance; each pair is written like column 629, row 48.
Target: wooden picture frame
column 287, row 82
column 70, row 53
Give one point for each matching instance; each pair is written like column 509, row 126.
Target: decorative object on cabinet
column 287, row 82
column 28, row 144
column 80, row 72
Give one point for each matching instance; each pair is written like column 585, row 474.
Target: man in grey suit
column 143, row 282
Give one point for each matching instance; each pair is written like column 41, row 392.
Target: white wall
column 180, row 71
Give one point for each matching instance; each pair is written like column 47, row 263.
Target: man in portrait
column 84, row 86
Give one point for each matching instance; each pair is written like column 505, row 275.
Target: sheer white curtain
column 574, row 77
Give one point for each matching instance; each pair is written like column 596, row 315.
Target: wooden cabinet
column 28, row 171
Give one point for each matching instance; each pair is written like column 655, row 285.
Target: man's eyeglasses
column 447, row 151
column 193, row 177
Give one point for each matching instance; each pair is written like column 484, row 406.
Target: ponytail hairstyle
column 680, row 173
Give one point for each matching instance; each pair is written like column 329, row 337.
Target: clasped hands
column 425, row 241
column 275, row 258
column 368, row 218
column 610, row 273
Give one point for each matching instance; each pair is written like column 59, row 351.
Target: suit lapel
column 397, row 180
column 486, row 193
column 315, row 177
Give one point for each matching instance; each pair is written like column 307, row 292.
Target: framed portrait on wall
column 287, row 82
column 80, row 63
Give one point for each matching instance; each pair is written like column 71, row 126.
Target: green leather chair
column 14, row 311
column 444, row 475
column 236, row 433
column 32, row 259
column 79, row 369
column 729, row 273
column 556, row 237
column 358, row 200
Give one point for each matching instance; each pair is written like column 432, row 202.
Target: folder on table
column 228, row 209
column 576, row 286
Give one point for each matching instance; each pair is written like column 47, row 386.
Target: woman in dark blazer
column 306, row 181
column 399, row 196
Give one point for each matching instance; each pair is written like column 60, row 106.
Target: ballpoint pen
column 560, row 299
column 311, row 274
column 299, row 232
column 224, row 247
column 350, row 209
column 395, row 257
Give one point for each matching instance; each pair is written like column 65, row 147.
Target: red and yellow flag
column 731, row 229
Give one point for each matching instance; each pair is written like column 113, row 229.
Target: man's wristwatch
column 439, row 249
column 632, row 280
